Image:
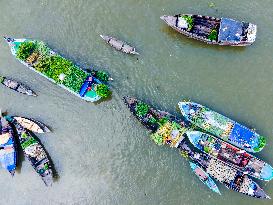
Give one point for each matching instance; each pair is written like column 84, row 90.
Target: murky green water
column 102, row 154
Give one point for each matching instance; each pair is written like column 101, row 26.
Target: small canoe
column 204, row 177
column 222, row 127
column 232, row 178
column 35, row 153
column 220, row 31
column 37, row 56
column 119, row 45
column 16, row 86
column 32, row 125
column 236, row 157
column 8, row 155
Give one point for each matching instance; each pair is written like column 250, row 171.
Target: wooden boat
column 119, row 45
column 16, row 86
column 32, row 125
column 37, row 56
column 151, row 118
column 236, row 157
column 222, row 127
column 8, row 154
column 204, row 177
column 34, row 152
column 232, row 178
column 221, row 31
column 168, row 129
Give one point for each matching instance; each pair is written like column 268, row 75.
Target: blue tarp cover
column 242, row 135
column 230, row 30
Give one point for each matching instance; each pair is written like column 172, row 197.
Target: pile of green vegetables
column 262, row 143
column 54, row 66
column 213, row 35
column 141, row 109
column 189, row 20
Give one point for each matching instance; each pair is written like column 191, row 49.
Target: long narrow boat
column 8, row 155
column 168, row 129
column 119, row 45
column 37, row 56
column 34, row 152
column 204, row 177
column 222, row 127
column 236, row 157
column 221, row 31
column 16, row 86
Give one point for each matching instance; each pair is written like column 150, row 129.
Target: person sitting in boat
column 90, row 79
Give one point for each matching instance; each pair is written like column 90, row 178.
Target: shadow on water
column 199, row 44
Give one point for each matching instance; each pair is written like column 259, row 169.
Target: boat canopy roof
column 230, row 30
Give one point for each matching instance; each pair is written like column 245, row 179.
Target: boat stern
column 14, row 43
column 106, row 38
column 255, row 190
column 194, row 137
column 251, row 33
column 170, row 20
column 185, row 108
column 267, row 172
column 8, row 39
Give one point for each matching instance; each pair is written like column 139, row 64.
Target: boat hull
column 172, row 21
column 18, row 87
column 32, row 125
column 119, row 45
column 35, row 153
column 222, row 127
column 132, row 103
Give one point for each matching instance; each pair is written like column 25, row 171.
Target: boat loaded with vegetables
column 222, row 127
column 37, row 56
column 221, row 31
column 168, row 129
column 236, row 157
column 229, row 176
column 23, row 128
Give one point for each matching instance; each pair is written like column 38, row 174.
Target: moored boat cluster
column 19, row 132
column 219, row 159
column 216, row 146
